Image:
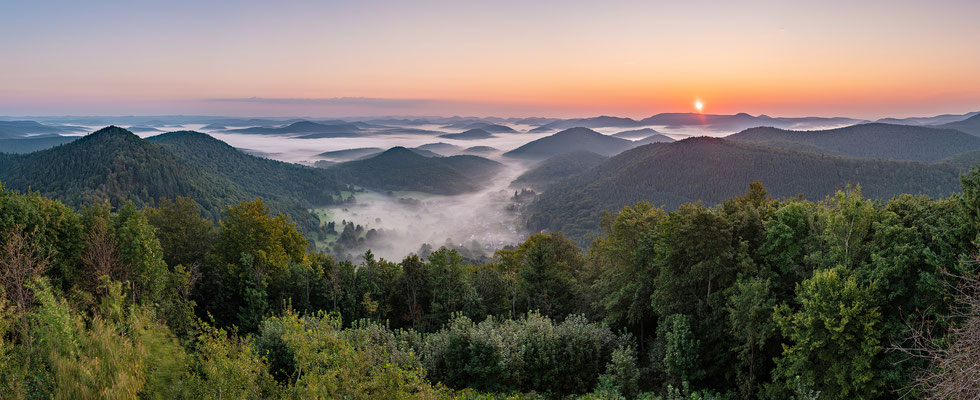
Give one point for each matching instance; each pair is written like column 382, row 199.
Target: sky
column 864, row 59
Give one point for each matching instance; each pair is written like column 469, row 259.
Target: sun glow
column 698, row 105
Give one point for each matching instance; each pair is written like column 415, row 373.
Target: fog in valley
column 395, row 224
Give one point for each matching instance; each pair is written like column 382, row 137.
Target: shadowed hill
column 970, row 125
column 472, row 134
column 257, row 176
column 712, row 170
column 636, row 133
column 403, row 169
column 874, row 140
column 570, row 140
column 657, row 138
column 558, row 167
column 309, row 129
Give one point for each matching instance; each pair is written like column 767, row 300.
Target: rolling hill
column 656, row 138
column 33, row 143
column 558, row 167
column 874, row 140
column 402, row 169
column 741, row 121
column 350, row 154
column 111, row 164
column 307, row 129
column 270, row 179
column 712, row 170
column 22, row 129
column 636, row 133
column 934, row 120
column 604, row 121
column 570, row 140
column 114, row 165
column 472, row 134
column 480, row 150
column 438, row 148
column 970, row 125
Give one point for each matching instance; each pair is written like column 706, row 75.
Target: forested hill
column 403, row 169
column 259, row 177
column 570, row 140
column 970, row 125
column 112, row 165
column 115, row 165
column 712, row 170
column 558, row 167
column 874, row 140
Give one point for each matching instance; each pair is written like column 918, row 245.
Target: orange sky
column 632, row 58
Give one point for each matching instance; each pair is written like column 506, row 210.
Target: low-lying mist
column 393, row 225
column 476, row 223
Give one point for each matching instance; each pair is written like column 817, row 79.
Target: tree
column 953, row 362
column 626, row 266
column 750, row 321
column 185, row 236
column 682, row 350
column 22, row 259
column 833, row 338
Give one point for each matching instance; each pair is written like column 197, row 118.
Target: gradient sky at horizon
column 865, row 59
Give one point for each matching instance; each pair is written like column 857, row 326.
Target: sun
column 698, row 105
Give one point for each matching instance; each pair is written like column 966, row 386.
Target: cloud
column 369, row 102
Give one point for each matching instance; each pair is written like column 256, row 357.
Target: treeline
column 753, row 298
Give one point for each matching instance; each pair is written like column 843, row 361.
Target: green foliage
column 682, row 350
column 713, row 170
column 531, row 353
column 185, row 237
column 760, row 297
column 622, row 376
column 228, row 367
column 834, row 337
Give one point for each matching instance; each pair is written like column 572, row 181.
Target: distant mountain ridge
column 970, row 125
column 311, row 129
column 472, row 134
column 712, row 122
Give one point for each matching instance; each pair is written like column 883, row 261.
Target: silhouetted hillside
column 350, row 154
column 439, row 148
column 33, row 143
column 558, row 167
column 311, row 130
column 712, row 170
column 402, row 169
column 480, row 150
column 874, row 140
column 472, row 134
column 657, row 138
column 970, row 125
column 636, row 133
column 570, row 140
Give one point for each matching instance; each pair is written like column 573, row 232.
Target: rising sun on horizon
column 698, row 105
